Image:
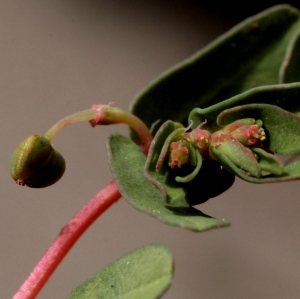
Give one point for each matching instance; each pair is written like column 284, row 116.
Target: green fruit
column 36, row 163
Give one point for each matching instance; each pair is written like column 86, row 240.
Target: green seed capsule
column 36, row 163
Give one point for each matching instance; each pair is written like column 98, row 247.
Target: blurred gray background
column 59, row 57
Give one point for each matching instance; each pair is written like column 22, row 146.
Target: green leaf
column 285, row 96
column 241, row 156
column 145, row 273
column 251, row 54
column 268, row 162
column 127, row 164
column 290, row 68
column 290, row 172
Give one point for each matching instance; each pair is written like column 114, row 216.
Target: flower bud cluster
column 247, row 131
column 240, row 141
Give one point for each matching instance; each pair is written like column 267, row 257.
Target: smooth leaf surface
column 145, row 273
column 251, row 54
column 127, row 164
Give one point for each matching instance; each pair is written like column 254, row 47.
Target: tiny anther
column 262, row 136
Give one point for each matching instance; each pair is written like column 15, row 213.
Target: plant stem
column 84, row 115
column 105, row 115
column 66, row 239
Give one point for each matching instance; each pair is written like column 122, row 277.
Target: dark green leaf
column 145, row 273
column 127, row 164
column 249, row 55
column 285, row 96
column 290, row 68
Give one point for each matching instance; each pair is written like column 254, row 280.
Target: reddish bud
column 198, row 138
column 179, row 154
column 249, row 135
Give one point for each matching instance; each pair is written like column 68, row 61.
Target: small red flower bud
column 198, row 138
column 179, row 154
column 249, row 135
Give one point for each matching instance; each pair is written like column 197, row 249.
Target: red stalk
column 66, row 239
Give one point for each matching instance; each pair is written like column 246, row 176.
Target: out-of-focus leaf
column 146, row 273
column 127, row 164
column 249, row 55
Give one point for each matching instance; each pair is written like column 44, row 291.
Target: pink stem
column 66, row 239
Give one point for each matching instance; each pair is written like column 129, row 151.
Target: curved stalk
column 84, row 115
column 105, row 115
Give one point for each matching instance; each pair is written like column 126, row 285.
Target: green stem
column 105, row 115
column 85, row 115
column 114, row 115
